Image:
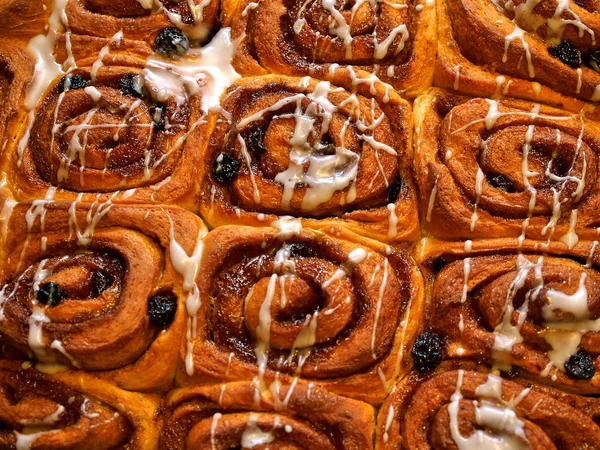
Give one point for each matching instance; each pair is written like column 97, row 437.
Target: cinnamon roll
column 544, row 51
column 470, row 407
column 16, row 69
column 66, row 411
column 93, row 287
column 533, row 307
column 505, row 168
column 290, row 146
column 284, row 303
column 294, row 417
column 142, row 19
column 108, row 132
column 351, row 43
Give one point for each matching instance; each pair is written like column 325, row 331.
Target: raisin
column 427, row 351
column 70, row 82
column 395, row 188
column 100, row 283
column 567, row 53
column 158, row 116
column 171, row 42
column 502, row 183
column 301, row 249
column 225, row 168
column 132, row 84
column 580, row 366
column 255, row 141
column 594, row 60
column 162, row 309
column 49, row 294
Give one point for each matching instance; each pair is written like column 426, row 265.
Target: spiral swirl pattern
column 506, row 168
column 393, row 40
column 311, row 150
column 535, row 311
column 226, row 416
column 320, row 308
column 495, row 49
column 16, row 68
column 141, row 20
column 85, row 295
column 109, row 133
column 63, row 411
column 471, row 408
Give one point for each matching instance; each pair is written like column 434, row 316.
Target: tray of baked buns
column 299, row 224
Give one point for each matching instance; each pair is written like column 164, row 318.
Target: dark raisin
column 225, row 168
column 594, row 60
column 580, row 366
column 132, row 84
column 162, row 309
column 158, row 116
column 49, row 294
column 502, row 183
column 427, row 351
column 255, row 141
column 100, row 283
column 438, row 265
column 395, row 188
column 171, row 42
column 326, row 146
column 69, row 82
column 567, row 53
column 302, row 249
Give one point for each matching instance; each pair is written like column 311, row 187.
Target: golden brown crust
column 290, row 39
column 472, row 36
column 101, row 326
column 356, row 344
column 418, row 414
column 16, row 70
column 470, row 165
column 72, row 410
column 362, row 204
column 493, row 268
column 146, row 164
column 300, row 416
column 104, row 18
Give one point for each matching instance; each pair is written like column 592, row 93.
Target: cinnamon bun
column 283, row 304
column 92, row 287
column 300, row 416
column 505, row 168
column 469, row 407
column 302, row 147
column 355, row 43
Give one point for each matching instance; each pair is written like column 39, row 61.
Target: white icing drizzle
column 46, row 68
column 187, row 266
column 491, row 412
column 253, row 436
column 570, row 238
column 114, row 41
column 207, row 71
column 456, row 70
column 213, row 428
column 506, row 334
column 382, row 287
column 519, row 33
column 393, row 221
column 431, row 202
column 478, row 190
column 96, row 211
column 48, row 420
column 388, row 423
column 590, row 261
